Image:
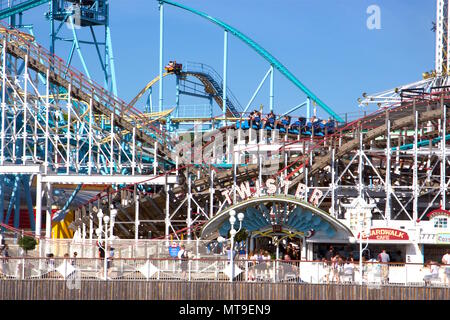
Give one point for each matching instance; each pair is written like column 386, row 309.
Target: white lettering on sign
column 271, row 187
column 244, row 191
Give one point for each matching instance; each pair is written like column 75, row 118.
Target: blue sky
column 325, row 43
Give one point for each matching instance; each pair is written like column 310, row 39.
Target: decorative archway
column 280, row 215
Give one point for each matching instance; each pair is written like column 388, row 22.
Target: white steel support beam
column 38, row 205
column 387, row 186
column 443, row 156
column 189, row 208
column 415, row 169
column 48, row 212
column 136, row 213
column 108, row 179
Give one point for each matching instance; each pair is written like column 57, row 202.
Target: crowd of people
column 284, row 124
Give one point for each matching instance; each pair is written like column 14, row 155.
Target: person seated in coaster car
column 331, row 126
column 244, row 123
column 269, row 121
column 255, row 121
column 173, row 67
column 284, row 124
column 310, row 125
column 319, row 128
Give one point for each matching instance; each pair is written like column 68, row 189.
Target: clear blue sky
column 325, row 43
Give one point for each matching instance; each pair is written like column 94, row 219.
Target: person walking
column 384, row 258
column 183, row 257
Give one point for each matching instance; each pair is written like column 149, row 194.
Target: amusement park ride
column 71, row 145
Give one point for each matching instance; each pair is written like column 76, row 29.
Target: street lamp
column 233, row 233
column 113, row 214
column 99, row 231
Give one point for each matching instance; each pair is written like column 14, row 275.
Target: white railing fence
column 192, row 269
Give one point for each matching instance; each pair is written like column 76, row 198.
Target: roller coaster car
column 174, row 67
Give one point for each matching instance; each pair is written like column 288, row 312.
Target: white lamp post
column 113, row 214
column 233, row 233
column 99, row 231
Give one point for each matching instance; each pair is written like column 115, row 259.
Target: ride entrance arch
column 280, row 217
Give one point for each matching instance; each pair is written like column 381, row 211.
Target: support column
column 167, row 219
column 161, row 43
column 38, row 205
column 388, row 170
column 136, row 213
column 189, row 208
column 224, row 86
column 48, row 212
column 360, row 165
column 271, row 89
column 443, row 155
column 211, row 194
column 333, row 182
column 308, row 109
column 415, row 178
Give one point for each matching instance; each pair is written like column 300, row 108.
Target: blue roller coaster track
column 263, row 53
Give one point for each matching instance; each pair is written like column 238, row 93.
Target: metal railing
column 213, row 269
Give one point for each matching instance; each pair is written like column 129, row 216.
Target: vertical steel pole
column 271, row 88
column 25, row 110
column 69, row 112
column 388, row 170
column 111, row 161
column 224, row 86
column 38, row 205
column 308, row 109
column 136, row 214
column 161, row 43
column 3, row 132
column 211, row 194
column 415, row 184
column 167, row 219
column 133, row 156
column 443, row 155
column 48, row 212
column 333, row 173
column 91, row 137
column 177, row 97
column 189, row 208
column 360, row 165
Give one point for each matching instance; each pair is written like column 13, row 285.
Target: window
column 440, row 223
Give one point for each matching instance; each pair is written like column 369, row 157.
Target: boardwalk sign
column 386, row 234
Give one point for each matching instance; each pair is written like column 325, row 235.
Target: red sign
column 386, row 234
column 438, row 212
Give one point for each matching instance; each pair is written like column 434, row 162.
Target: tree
column 27, row 243
column 242, row 235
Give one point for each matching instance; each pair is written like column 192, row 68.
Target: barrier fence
column 174, row 269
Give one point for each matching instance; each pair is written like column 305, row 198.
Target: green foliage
column 241, row 235
column 27, row 243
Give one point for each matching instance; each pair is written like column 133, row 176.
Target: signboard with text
column 386, row 234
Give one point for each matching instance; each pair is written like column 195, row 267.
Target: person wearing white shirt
column 434, row 273
column 446, row 261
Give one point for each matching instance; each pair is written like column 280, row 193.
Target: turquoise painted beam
column 422, row 143
column 21, row 7
column 263, row 53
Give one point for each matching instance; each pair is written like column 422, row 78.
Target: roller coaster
column 69, row 144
